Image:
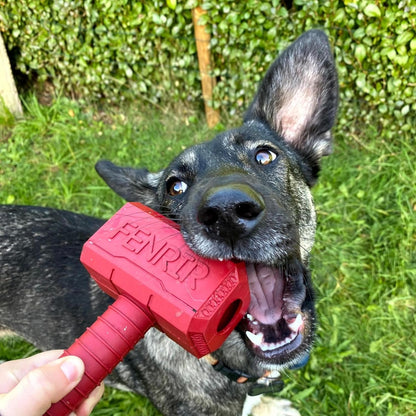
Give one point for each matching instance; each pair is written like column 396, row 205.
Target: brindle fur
column 49, row 299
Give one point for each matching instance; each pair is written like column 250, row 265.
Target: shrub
column 106, row 48
column 120, row 49
column 374, row 44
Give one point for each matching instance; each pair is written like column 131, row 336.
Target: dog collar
column 269, row 382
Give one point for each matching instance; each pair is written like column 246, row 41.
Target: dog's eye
column 265, row 156
column 176, row 187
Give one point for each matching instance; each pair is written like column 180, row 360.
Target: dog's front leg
column 268, row 406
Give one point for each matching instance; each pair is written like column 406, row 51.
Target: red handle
column 101, row 347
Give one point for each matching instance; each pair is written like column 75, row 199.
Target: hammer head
column 139, row 253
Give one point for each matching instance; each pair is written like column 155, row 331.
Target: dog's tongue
column 266, row 288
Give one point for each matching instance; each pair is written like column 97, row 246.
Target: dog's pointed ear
column 298, row 97
column 134, row 185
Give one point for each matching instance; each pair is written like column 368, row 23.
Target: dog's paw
column 270, row 406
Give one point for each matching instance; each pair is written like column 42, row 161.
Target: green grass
column 364, row 266
column 364, row 259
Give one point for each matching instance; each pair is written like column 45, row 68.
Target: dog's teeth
column 272, row 346
column 258, row 339
column 220, row 259
column 295, row 325
column 249, row 317
column 269, row 347
column 255, row 339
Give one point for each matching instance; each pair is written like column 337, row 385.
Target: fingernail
column 73, row 368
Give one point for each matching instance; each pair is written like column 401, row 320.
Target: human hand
column 29, row 386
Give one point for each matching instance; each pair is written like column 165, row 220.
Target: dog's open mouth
column 274, row 325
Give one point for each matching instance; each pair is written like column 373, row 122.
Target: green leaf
column 304, row 393
column 405, row 110
column 402, row 60
column 10, row 199
column 339, row 16
column 360, row 53
column 359, row 33
column 361, row 81
column 372, row 10
column 392, row 54
column 404, row 38
column 372, row 29
column 171, row 4
column 129, row 72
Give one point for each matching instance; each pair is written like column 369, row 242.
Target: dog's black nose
column 230, row 212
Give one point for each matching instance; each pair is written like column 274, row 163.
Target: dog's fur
column 245, row 195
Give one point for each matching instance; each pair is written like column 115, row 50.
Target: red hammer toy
column 140, row 258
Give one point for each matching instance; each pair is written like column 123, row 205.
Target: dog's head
column 245, row 195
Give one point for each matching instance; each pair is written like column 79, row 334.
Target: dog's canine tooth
column 295, row 325
column 255, row 339
column 251, row 318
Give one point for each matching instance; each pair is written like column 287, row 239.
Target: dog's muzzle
column 227, row 217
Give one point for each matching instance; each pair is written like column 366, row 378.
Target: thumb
column 41, row 387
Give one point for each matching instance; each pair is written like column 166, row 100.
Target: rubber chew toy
column 140, row 258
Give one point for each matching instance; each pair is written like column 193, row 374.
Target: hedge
column 123, row 49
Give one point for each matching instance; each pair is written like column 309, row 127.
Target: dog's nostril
column 230, row 215
column 208, row 216
column 248, row 210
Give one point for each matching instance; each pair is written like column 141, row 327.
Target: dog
column 243, row 196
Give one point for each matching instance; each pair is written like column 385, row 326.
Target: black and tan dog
column 244, row 195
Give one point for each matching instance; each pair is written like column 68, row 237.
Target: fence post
column 202, row 38
column 8, row 91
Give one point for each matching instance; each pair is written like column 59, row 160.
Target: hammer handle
column 101, row 347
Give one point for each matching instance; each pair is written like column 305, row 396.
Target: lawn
column 363, row 262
